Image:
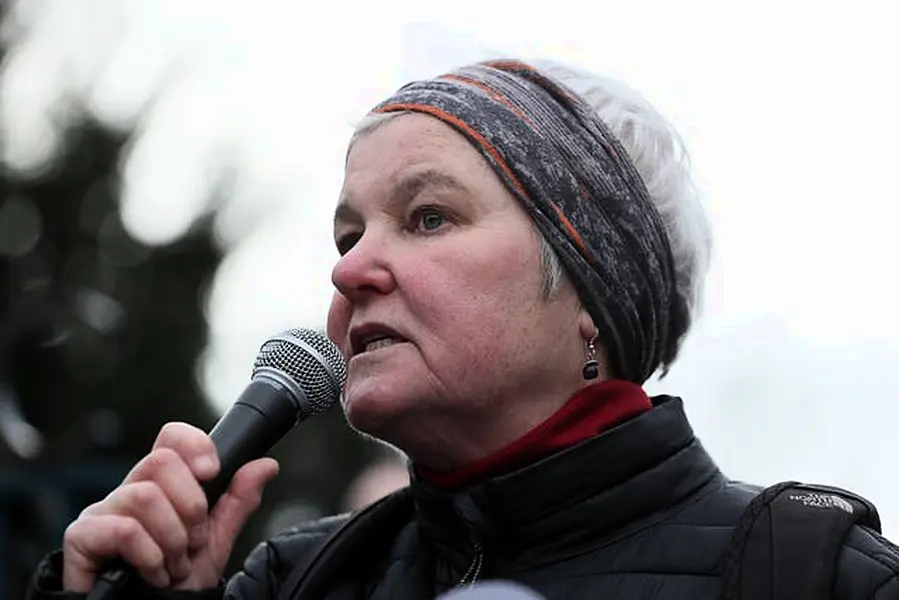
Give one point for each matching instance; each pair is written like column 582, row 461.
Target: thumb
column 242, row 498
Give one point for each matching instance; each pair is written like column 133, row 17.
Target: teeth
column 379, row 343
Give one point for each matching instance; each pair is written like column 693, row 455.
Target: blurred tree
column 98, row 334
column 99, row 339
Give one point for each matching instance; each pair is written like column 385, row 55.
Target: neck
column 591, row 411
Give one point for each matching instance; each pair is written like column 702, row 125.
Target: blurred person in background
column 521, row 250
column 378, row 479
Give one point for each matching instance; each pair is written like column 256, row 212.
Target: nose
column 364, row 270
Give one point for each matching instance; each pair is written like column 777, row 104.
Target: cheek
column 339, row 320
column 482, row 300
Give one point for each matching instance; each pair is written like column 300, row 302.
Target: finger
column 193, row 446
column 236, row 505
column 166, row 469
column 179, row 568
column 148, row 504
column 91, row 540
column 197, row 536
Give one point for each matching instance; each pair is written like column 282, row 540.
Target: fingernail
column 182, row 568
column 197, row 535
column 204, row 464
column 159, row 578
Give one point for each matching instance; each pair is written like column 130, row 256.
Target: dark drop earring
column 591, row 367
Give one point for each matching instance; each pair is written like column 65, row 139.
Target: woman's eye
column 429, row 218
column 346, row 242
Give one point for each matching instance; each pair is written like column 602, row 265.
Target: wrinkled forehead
column 407, row 153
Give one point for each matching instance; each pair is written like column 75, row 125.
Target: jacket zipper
column 477, row 563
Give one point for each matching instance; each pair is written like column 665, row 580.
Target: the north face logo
column 819, row 500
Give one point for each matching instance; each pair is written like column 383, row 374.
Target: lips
column 372, row 336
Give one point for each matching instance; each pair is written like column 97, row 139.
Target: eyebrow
column 405, row 190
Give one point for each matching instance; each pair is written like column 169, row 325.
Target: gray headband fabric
column 583, row 193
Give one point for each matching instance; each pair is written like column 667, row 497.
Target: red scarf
column 591, row 411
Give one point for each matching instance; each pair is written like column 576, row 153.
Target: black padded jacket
column 640, row 512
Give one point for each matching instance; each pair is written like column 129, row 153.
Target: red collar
column 591, row 411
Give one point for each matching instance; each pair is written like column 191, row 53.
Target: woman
column 518, row 256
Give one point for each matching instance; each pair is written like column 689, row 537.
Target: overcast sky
column 788, row 109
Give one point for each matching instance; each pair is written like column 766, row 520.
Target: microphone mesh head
column 311, row 361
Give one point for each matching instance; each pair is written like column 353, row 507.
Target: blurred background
column 169, row 169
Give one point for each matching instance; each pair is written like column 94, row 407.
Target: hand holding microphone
column 175, row 517
column 157, row 521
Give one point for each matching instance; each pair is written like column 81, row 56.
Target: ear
column 585, row 324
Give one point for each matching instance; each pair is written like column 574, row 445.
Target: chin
column 373, row 411
column 383, row 412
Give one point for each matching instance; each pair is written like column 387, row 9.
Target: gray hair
column 661, row 159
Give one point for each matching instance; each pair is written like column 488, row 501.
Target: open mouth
column 370, row 338
column 381, row 342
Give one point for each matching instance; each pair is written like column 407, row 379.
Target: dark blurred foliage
column 99, row 342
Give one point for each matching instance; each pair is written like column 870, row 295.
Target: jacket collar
column 596, row 490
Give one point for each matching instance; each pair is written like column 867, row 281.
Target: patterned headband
column 583, row 193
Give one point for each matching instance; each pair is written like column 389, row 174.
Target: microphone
column 492, row 590
column 297, row 374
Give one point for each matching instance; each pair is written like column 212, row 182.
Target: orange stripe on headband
column 575, row 236
column 492, row 93
column 508, row 65
column 517, row 65
column 445, row 116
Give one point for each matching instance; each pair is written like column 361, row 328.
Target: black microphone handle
column 261, row 416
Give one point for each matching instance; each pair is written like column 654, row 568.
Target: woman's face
column 439, row 310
